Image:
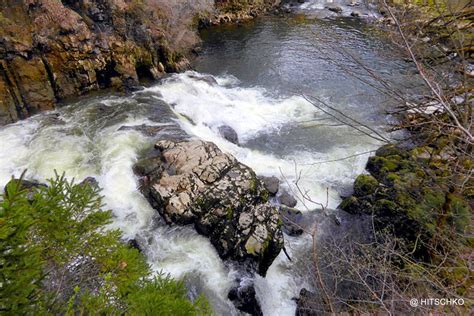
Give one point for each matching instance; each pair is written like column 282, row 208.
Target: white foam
column 247, row 110
column 81, row 148
column 202, row 107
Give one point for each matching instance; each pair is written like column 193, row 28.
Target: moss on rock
column 405, row 194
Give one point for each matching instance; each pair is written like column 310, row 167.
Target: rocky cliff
column 51, row 49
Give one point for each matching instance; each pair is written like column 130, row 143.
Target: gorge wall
column 51, row 50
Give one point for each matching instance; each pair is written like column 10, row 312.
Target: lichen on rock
column 195, row 182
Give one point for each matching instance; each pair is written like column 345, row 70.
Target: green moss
column 280, row 222
column 265, row 196
column 365, row 185
column 385, row 206
column 461, row 212
column 391, row 150
column 253, row 185
column 230, row 213
column 349, row 203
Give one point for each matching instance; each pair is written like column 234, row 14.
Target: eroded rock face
column 51, row 49
column 195, row 182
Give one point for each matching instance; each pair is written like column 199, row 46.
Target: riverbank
column 52, row 50
column 419, row 191
column 242, row 98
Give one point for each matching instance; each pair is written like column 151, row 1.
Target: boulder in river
column 228, row 133
column 355, row 14
column 195, row 182
column 287, row 199
column 293, row 221
column 245, row 299
column 271, row 184
column 30, row 186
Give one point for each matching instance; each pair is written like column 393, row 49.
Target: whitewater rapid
column 85, row 139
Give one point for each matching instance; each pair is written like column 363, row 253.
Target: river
column 255, row 78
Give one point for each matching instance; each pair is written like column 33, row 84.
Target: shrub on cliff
column 57, row 257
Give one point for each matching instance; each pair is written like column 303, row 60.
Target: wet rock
column 228, row 133
column 244, row 298
column 53, row 119
column 307, row 304
column 193, row 182
column 90, row 181
column 146, row 130
column 133, row 243
column 210, row 80
column 355, row 14
column 287, row 199
column 293, row 221
column 30, row 186
column 272, row 184
column 336, row 9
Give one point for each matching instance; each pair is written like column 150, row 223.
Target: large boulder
column 194, row 182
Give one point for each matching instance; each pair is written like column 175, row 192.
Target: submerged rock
column 30, row 186
column 146, row 130
column 355, row 14
column 90, row 181
column 195, row 182
column 229, row 134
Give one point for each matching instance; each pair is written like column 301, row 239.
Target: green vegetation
column 57, row 257
column 404, row 192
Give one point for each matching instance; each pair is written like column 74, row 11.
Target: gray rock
column 210, row 80
column 245, row 299
column 90, row 181
column 30, row 186
column 271, row 184
column 286, row 199
column 228, row 133
column 195, row 182
column 293, row 221
column 355, row 14
column 336, row 9
column 307, row 304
